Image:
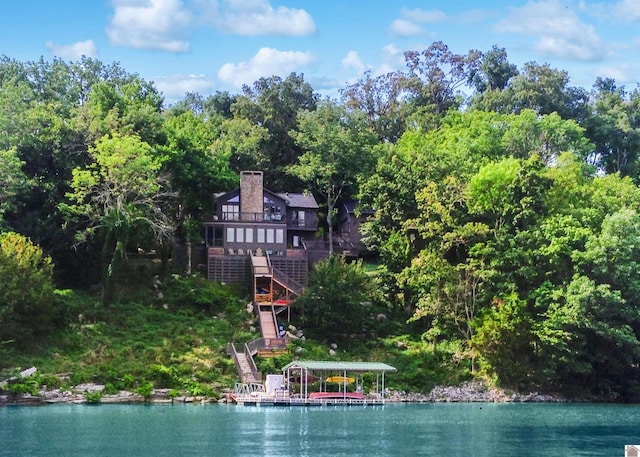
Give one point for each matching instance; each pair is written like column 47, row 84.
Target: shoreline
column 469, row 392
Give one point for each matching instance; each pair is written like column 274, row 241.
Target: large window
column 230, row 212
column 231, row 235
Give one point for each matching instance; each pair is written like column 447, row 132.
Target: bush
column 198, row 293
column 26, row 290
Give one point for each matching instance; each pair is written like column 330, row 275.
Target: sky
column 206, row 46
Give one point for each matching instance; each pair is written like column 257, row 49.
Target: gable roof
column 299, row 200
column 350, row 204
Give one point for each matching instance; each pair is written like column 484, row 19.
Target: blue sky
column 216, row 45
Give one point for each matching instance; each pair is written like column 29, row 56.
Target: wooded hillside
column 505, row 202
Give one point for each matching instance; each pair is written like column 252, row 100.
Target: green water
column 390, row 430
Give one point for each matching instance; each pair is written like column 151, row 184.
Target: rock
column 334, row 346
column 292, row 328
column 28, row 372
column 381, row 317
column 250, row 308
column 400, row 345
column 332, row 352
column 298, row 350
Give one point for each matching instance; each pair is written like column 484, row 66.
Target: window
column 231, row 238
column 270, row 234
column 279, row 236
column 248, row 236
column 260, row 234
column 301, row 219
column 230, row 212
column 296, row 241
column 239, row 235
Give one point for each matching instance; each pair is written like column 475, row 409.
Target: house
column 255, row 230
column 348, row 235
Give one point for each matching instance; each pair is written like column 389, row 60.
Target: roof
column 299, row 200
column 350, row 205
column 342, row 366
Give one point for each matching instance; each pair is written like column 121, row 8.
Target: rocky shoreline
column 470, row 392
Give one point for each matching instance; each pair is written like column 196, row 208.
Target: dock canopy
column 355, row 367
column 308, row 367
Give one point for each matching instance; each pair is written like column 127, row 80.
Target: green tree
column 383, row 99
column 439, row 74
column 118, row 196
column 335, row 303
column 26, row 290
column 338, row 148
column 274, row 103
column 12, row 181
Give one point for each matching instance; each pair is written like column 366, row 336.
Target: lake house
column 256, row 233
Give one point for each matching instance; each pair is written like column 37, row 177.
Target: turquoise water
column 390, row 430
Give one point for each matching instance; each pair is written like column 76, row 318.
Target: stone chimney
column 251, row 196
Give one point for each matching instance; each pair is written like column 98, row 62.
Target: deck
column 283, row 400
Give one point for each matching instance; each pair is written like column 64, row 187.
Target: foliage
column 337, row 302
column 337, row 150
column 199, row 293
column 26, row 290
column 119, row 196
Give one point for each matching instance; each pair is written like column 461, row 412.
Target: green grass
column 173, row 343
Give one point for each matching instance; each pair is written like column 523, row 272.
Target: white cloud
column 621, row 73
column 267, row 62
column 411, row 21
column 405, row 28
column 559, row 30
column 73, row 51
column 174, row 87
column 627, row 10
column 352, row 60
column 256, row 17
column 150, row 24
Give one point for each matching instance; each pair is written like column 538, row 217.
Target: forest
column 505, row 229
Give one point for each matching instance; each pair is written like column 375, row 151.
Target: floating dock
column 292, row 388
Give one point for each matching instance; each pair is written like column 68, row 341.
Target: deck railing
column 266, row 343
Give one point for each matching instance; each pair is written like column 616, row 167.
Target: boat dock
column 293, row 387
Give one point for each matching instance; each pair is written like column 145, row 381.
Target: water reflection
column 227, row 430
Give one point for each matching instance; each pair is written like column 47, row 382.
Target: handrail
column 275, row 321
column 286, row 280
column 266, row 343
column 252, row 364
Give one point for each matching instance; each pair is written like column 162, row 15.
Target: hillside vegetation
column 504, row 222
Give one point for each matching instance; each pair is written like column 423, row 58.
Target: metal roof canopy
column 342, row 366
column 305, row 366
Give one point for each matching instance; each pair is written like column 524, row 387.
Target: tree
column 614, row 127
column 440, row 74
column 495, row 71
column 384, row 100
column 12, row 181
column 335, row 302
column 338, row 148
column 118, row 196
column 273, row 104
column 26, row 289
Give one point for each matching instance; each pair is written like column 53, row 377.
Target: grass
column 171, row 343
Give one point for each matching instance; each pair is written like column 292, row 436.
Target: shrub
column 26, row 289
column 93, row 397
column 198, row 293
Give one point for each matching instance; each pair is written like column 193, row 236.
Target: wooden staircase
column 271, row 344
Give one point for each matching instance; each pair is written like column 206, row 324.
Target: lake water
column 475, row 429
